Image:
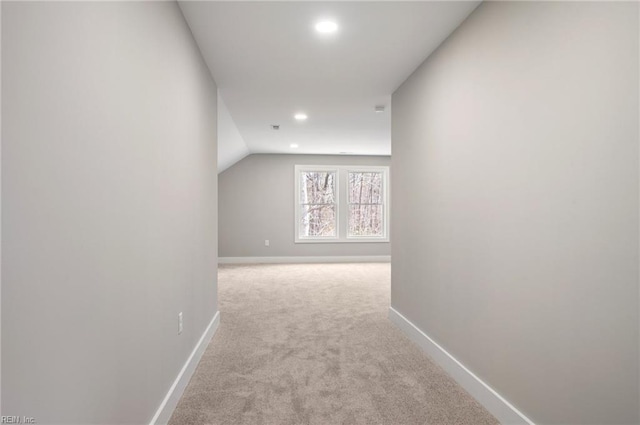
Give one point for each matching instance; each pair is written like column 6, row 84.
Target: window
column 341, row 204
column 318, row 204
column 366, row 205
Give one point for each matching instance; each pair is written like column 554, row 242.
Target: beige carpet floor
column 311, row 344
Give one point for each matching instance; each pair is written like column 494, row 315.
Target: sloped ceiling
column 231, row 145
column 269, row 63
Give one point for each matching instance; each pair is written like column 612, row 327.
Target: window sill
column 350, row 240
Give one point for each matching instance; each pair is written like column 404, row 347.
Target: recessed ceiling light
column 293, row 145
column 300, row 116
column 326, row 27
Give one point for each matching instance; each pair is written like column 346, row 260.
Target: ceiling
column 269, row 63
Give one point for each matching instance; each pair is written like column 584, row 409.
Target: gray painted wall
column 515, row 205
column 109, row 191
column 257, row 202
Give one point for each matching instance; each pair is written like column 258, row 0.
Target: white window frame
column 342, row 204
column 385, row 197
column 322, row 168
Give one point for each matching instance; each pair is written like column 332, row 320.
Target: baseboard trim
column 306, row 259
column 168, row 405
column 497, row 405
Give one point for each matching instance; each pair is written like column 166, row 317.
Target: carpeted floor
column 311, row 344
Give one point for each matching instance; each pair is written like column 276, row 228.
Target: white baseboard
column 168, row 405
column 306, row 259
column 497, row 405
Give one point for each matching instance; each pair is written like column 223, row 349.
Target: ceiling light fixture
column 326, row 27
column 293, row 145
column 300, row 116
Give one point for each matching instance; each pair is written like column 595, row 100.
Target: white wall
column 515, row 205
column 257, row 203
column 231, row 145
column 109, row 206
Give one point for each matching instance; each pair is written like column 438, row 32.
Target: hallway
column 489, row 150
column 311, row 344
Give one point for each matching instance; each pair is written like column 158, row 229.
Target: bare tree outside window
column 341, row 203
column 366, row 204
column 318, row 204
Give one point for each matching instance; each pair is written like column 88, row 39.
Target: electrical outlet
column 266, row 242
column 179, row 323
